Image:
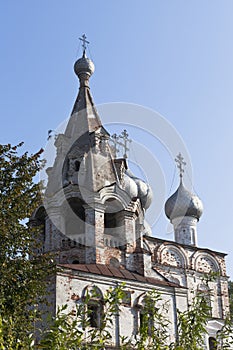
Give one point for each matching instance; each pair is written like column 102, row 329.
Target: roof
column 121, row 273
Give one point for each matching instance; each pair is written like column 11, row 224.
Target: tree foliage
column 192, row 324
column 69, row 332
column 72, row 333
column 22, row 270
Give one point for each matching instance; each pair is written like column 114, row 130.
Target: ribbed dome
column 84, row 65
column 183, row 203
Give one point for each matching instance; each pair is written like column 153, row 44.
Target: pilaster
column 94, row 234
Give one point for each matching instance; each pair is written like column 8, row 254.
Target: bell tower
column 94, row 205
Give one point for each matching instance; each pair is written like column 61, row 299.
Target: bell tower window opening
column 110, row 220
column 75, row 218
column 113, row 218
column 77, row 165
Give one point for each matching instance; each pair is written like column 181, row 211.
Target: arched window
column 146, row 319
column 94, row 307
column 212, row 344
column 146, row 322
column 95, row 313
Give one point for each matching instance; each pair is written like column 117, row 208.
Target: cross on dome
column 180, row 164
column 124, row 136
column 84, row 42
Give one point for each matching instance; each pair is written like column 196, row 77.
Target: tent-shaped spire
column 84, row 116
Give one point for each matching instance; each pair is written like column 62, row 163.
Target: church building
column 93, row 214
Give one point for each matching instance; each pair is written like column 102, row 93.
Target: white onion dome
column 84, row 66
column 183, row 203
column 144, row 191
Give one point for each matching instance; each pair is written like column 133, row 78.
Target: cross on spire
column 180, row 164
column 114, row 139
column 124, row 136
column 123, row 144
column 84, row 42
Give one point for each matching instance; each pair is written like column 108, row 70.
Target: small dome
column 144, row 190
column 183, row 203
column 84, row 65
column 130, row 186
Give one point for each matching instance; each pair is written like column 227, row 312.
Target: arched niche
column 114, row 262
column 171, row 255
column 205, row 263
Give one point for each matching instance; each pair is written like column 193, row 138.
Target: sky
column 173, row 57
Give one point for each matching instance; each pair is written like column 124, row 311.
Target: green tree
column 23, row 271
column 69, row 331
column 72, row 330
column 153, row 329
column 192, row 324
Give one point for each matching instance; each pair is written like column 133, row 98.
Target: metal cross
column 84, row 42
column 114, row 139
column 180, row 164
column 124, row 135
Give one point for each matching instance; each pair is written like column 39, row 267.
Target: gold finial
column 84, row 42
column 180, row 164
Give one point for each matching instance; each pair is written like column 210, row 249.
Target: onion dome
column 84, row 65
column 183, row 203
column 130, row 186
column 144, row 191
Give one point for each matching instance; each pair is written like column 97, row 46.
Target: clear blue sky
column 175, row 57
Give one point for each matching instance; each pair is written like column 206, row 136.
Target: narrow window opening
column 212, row 344
column 95, row 312
column 77, row 165
column 146, row 323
